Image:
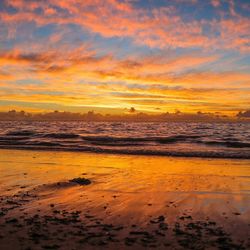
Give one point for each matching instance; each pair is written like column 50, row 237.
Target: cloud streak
column 126, row 53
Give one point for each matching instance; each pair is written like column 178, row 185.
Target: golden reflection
column 132, row 189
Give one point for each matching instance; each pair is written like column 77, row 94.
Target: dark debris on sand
column 81, row 181
column 63, row 229
column 202, row 235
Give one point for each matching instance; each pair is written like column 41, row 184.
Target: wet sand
column 125, row 202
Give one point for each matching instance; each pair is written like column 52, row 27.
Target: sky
column 111, row 55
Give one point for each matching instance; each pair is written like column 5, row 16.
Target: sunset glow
column 156, row 56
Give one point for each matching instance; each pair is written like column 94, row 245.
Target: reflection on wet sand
column 130, row 202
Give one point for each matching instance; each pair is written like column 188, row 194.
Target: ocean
column 222, row 140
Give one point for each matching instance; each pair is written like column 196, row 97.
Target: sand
column 125, row 202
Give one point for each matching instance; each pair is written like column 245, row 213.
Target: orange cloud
column 159, row 27
column 84, row 76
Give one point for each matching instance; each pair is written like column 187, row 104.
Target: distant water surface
column 230, row 140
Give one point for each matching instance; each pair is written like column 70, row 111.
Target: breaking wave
column 166, row 139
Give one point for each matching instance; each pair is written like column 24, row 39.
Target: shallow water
column 228, row 140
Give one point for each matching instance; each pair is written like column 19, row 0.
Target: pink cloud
column 159, row 27
column 215, row 3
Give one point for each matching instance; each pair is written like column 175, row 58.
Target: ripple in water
column 170, row 139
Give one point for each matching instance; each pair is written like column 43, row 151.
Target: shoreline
column 129, row 202
column 201, row 155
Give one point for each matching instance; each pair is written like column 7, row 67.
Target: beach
column 123, row 201
column 124, row 125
